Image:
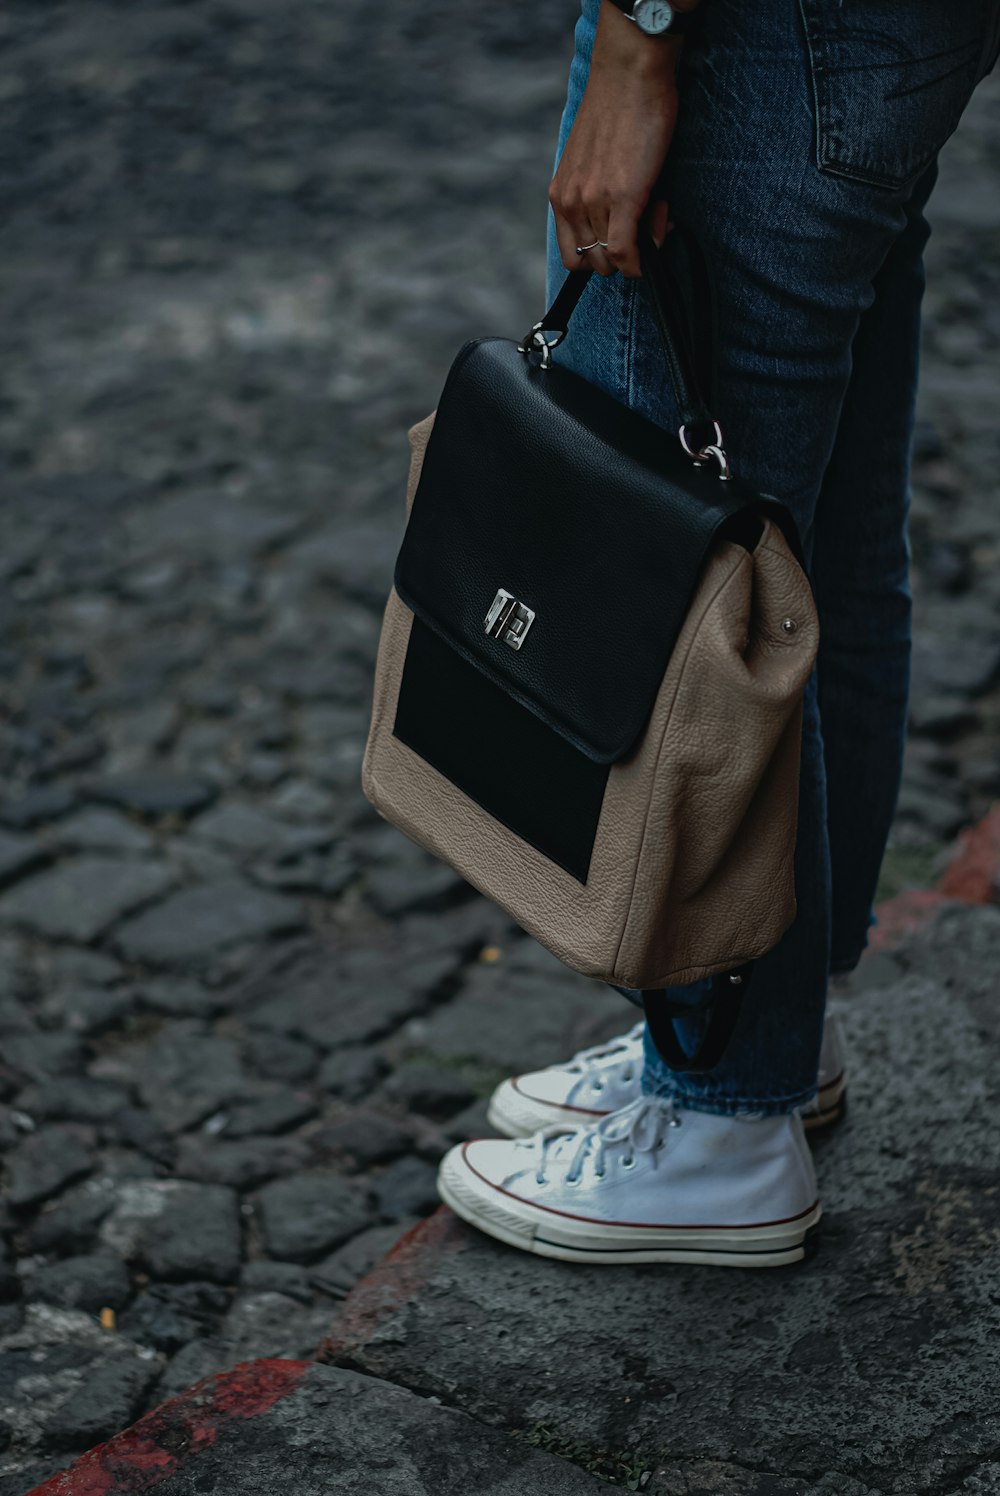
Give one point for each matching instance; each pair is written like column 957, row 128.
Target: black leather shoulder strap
column 720, row 1012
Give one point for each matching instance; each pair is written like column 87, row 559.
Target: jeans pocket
column 890, row 81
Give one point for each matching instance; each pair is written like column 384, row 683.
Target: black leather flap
column 538, row 483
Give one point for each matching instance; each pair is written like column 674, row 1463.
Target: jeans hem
column 726, row 1106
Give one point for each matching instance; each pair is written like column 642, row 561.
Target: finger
column 570, row 218
column 581, row 232
column 622, row 250
column 598, row 258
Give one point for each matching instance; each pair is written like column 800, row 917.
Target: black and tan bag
column 588, row 694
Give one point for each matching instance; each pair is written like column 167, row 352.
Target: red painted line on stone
column 173, row 1434
column 904, row 915
column 973, row 875
column 393, row 1282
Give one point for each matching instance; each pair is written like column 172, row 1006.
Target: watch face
column 653, row 16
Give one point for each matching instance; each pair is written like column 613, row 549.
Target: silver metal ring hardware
column 581, row 249
column 714, row 451
column 693, row 451
column 788, row 625
column 719, row 456
column 535, row 341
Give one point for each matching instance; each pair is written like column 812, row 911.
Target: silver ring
column 581, row 249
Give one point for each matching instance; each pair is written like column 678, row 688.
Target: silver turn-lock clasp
column 508, row 619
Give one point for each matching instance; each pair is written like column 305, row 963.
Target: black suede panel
column 498, row 753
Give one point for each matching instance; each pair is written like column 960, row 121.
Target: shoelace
column 639, row 1127
column 589, row 1062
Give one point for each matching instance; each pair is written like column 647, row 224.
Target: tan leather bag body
column 691, row 869
column 588, row 692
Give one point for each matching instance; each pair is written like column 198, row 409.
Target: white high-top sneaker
column 650, row 1183
column 607, row 1077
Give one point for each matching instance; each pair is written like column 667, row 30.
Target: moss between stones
column 479, row 1076
column 907, row 867
column 619, row 1468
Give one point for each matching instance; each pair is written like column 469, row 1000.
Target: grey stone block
column 277, row 1277
column 432, row 1089
column 40, row 1054
column 46, row 1162
column 352, row 1072
column 175, row 1229
column 406, row 1188
column 88, row 1010
column 154, row 793
column 347, row 997
column 243, row 1165
column 95, row 829
column 46, row 803
column 308, row 1214
column 359, row 1139
column 70, row 1223
column 84, row 897
column 183, row 1074
column 106, row 1399
column 198, row 923
column 277, row 1109
column 73, row 1099
column 169, row 1315
column 18, row 855
column 522, row 1012
column 245, row 831
column 92, row 1282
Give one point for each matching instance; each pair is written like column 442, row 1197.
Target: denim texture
column 803, row 159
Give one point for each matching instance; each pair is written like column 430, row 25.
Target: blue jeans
column 803, row 159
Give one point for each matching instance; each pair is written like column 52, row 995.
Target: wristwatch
column 656, row 17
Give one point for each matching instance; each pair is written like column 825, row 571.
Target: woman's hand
column 618, row 143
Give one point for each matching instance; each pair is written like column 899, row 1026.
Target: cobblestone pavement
column 240, row 1018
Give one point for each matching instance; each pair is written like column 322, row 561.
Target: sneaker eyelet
column 628, row 1163
column 575, row 1180
column 598, row 1085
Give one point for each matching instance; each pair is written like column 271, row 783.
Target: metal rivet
column 736, row 979
column 789, row 625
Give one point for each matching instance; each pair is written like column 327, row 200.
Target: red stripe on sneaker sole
column 580, row 1111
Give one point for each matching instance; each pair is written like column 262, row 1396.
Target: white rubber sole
column 554, row 1234
column 829, row 1106
column 514, row 1115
